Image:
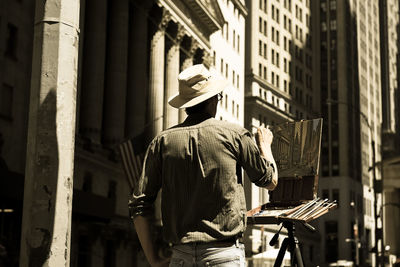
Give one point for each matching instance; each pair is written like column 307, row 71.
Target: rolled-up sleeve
column 145, row 193
column 258, row 169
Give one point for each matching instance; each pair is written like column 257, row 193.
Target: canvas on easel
column 296, row 148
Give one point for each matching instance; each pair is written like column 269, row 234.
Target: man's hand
column 142, row 225
column 264, row 139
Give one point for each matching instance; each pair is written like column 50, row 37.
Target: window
column 335, row 196
column 259, row 69
column 260, row 47
column 6, row 101
column 285, row 43
column 285, row 65
column 277, row 37
column 277, row 59
column 284, row 22
column 300, row 14
column 260, row 24
column 325, row 194
column 265, row 73
column 273, row 34
column 84, row 251
column 87, row 182
column 234, row 39
column 214, row 58
column 12, row 41
column 237, row 111
column 112, row 189
column 273, row 56
column 226, row 70
column 238, row 43
column 272, row 77
column 265, row 27
column 222, row 66
column 273, row 12
column 277, row 15
column 265, row 51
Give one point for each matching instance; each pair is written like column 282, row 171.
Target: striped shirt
column 197, row 164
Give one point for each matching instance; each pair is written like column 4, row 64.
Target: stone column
column 136, row 97
column 171, row 114
column 94, row 51
column 156, row 81
column 187, row 62
column 46, row 219
column 116, row 72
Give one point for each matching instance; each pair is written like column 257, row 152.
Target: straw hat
column 196, row 84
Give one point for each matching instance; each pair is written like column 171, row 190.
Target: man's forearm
column 269, row 157
column 142, row 225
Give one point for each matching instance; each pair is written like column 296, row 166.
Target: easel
column 291, row 244
column 288, row 217
column 296, row 149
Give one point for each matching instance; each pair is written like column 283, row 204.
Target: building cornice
column 199, row 20
column 263, row 103
column 242, row 8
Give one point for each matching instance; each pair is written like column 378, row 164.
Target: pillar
column 187, row 62
column 171, row 114
column 156, row 79
column 116, row 72
column 137, row 73
column 94, row 51
column 46, row 222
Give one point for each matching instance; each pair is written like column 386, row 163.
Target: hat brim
column 214, row 87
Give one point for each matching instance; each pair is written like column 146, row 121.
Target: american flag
column 132, row 154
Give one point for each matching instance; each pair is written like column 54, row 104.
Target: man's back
column 200, row 166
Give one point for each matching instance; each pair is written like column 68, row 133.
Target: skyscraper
column 281, row 85
column 351, row 107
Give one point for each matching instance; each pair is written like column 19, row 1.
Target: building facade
column 390, row 210
column 16, row 41
column 130, row 54
column 228, row 59
column 351, row 106
column 281, row 84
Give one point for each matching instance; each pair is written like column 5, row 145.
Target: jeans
column 208, row 254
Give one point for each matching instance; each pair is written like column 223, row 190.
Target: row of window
column 235, row 39
column 234, row 107
column 287, row 4
column 235, row 9
column 275, row 101
column 307, row 100
column 262, row 72
column 224, row 69
column 275, row 36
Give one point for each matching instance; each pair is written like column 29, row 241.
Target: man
column 197, row 164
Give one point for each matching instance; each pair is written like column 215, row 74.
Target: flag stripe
column 132, row 162
column 135, row 164
column 126, row 160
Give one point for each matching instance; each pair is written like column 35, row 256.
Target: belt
column 233, row 240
